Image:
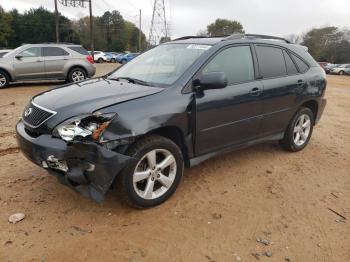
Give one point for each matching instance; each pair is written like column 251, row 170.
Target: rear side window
column 236, row 62
column 54, row 51
column 271, row 61
column 291, row 68
column 79, row 49
column 303, row 67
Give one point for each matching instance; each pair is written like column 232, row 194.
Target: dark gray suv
column 46, row 61
column 175, row 105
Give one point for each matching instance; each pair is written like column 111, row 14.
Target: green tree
column 5, row 27
column 223, row 27
column 329, row 44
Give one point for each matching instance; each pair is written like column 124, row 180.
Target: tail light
column 90, row 59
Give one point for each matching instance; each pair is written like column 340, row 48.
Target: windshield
column 162, row 65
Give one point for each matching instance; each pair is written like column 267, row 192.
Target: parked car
column 4, row 52
column 329, row 67
column 177, row 105
column 340, row 69
column 113, row 56
column 323, row 64
column 46, row 61
column 101, row 57
column 127, row 57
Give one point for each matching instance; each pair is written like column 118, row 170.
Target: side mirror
column 213, row 80
column 19, row 57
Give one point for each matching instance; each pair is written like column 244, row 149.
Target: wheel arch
column 7, row 72
column 313, row 106
column 174, row 134
column 73, row 67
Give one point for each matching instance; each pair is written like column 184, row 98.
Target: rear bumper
column 91, row 71
column 91, row 167
column 321, row 106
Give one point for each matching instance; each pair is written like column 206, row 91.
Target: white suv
column 100, row 57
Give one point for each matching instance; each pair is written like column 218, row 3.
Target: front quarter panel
column 169, row 108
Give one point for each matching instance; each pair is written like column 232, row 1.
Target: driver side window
column 31, row 52
column 236, row 62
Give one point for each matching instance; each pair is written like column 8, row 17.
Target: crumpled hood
column 91, row 95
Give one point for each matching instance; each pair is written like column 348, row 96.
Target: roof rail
column 51, row 43
column 255, row 36
column 197, row 36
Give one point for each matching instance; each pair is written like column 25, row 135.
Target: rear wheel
column 100, row 60
column 155, row 176
column 299, row 131
column 77, row 74
column 124, row 61
column 4, row 79
column 113, row 60
column 341, row 73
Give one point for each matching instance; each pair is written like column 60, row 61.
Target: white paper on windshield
column 201, row 47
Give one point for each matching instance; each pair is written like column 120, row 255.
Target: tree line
column 112, row 31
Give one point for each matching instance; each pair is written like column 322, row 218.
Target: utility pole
column 57, row 21
column 91, row 31
column 81, row 3
column 140, row 34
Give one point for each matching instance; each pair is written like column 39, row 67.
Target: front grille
column 35, row 115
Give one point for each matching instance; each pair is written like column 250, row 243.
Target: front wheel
column 124, row 62
column 155, row 176
column 299, row 131
column 341, row 73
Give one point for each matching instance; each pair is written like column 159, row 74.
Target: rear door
column 232, row 115
column 55, row 59
column 29, row 64
column 282, row 82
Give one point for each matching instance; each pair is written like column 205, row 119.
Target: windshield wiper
column 131, row 80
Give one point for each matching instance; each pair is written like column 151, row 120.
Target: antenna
column 159, row 27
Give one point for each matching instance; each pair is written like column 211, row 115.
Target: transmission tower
column 159, row 28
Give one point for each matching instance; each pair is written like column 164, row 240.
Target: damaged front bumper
column 86, row 167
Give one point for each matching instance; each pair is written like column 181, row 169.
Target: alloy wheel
column 302, row 130
column 3, row 80
column 154, row 174
column 78, row 76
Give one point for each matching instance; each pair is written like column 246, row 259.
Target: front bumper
column 91, row 168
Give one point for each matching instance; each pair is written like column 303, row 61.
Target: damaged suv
column 176, row 105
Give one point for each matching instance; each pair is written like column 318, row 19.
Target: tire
column 342, row 73
column 162, row 182
column 4, row 79
column 113, row 60
column 76, row 74
column 294, row 130
column 100, row 60
column 124, row 62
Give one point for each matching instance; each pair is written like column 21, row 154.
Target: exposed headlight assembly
column 85, row 127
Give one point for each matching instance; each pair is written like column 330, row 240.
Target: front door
column 232, row 115
column 29, row 64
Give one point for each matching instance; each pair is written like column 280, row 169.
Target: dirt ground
column 217, row 214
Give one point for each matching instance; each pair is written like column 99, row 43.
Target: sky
column 188, row 17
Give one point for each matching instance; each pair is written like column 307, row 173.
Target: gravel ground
column 258, row 203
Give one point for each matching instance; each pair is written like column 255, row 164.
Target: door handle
column 301, row 83
column 255, row 91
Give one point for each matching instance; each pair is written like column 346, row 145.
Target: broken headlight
column 85, row 127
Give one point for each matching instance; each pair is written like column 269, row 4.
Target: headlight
column 84, row 127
